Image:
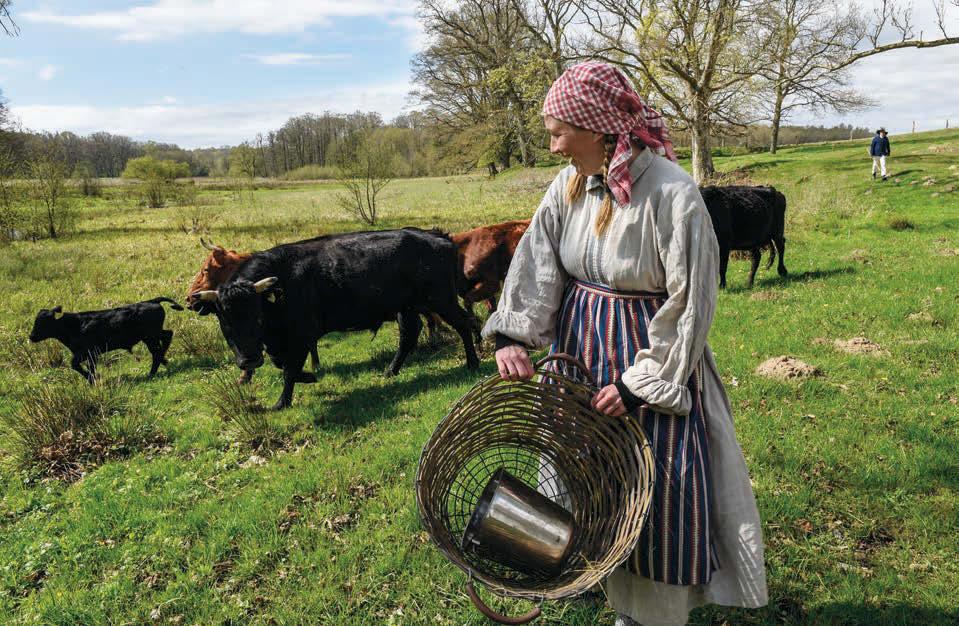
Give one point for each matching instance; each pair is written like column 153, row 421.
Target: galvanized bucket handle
column 499, row 618
column 565, row 358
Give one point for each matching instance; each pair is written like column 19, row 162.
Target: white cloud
column 215, row 124
column 295, row 58
column 9, row 62
column 47, row 72
column 170, row 18
column 910, row 85
column 168, row 100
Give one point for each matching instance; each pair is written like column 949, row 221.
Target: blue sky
column 216, row 72
column 204, row 72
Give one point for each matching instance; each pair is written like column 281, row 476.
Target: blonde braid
column 606, row 209
column 575, row 187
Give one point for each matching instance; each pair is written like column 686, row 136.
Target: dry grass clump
column 199, row 338
column 33, row 357
column 900, row 224
column 66, row 426
column 237, row 404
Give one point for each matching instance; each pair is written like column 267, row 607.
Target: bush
column 64, row 427
column 86, row 178
column 156, row 177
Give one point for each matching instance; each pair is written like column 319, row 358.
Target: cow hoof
column 280, row 405
column 390, row 372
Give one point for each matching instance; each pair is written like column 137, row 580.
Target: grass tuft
column 67, row 426
column 901, row 223
column 238, row 405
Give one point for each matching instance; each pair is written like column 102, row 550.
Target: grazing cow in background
column 747, row 218
column 89, row 334
column 217, row 268
column 285, row 298
column 484, row 255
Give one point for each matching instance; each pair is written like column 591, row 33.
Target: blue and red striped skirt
column 605, row 328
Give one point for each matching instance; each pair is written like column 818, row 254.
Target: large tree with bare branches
column 808, row 38
column 6, row 20
column 696, row 59
column 487, row 69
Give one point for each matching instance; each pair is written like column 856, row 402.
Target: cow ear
column 57, row 312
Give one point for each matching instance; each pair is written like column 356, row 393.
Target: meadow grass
column 856, row 472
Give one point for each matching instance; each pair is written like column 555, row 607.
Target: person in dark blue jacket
column 879, row 150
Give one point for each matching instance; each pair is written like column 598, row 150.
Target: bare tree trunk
column 777, row 119
column 703, row 168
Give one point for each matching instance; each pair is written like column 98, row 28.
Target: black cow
column 287, row 297
column 747, row 218
column 88, row 334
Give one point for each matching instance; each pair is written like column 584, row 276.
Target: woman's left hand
column 608, row 401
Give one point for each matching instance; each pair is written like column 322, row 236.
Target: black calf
column 88, row 334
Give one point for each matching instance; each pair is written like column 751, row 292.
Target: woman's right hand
column 513, row 363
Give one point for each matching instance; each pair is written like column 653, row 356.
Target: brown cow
column 217, row 268
column 485, row 253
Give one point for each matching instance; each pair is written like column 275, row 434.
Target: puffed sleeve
column 533, row 290
column 677, row 333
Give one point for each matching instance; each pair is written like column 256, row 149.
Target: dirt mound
column 787, row 368
column 858, row 345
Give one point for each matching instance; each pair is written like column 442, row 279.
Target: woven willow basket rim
column 571, row 401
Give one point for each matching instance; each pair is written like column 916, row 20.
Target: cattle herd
column 282, row 300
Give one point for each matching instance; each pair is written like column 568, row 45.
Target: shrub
column 66, row 426
column 156, row 177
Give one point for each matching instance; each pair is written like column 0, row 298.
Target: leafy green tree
column 364, row 176
column 48, row 176
column 157, row 177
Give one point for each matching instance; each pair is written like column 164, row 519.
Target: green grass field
column 856, row 471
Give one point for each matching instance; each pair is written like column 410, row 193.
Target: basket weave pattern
column 545, row 433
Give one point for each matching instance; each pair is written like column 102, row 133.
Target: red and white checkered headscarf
column 598, row 97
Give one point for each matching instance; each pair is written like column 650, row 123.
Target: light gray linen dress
column 663, row 242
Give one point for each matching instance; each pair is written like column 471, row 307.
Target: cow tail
column 773, row 249
column 173, row 303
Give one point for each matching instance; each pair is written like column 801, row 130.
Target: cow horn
column 208, row 295
column 262, row 285
column 212, row 247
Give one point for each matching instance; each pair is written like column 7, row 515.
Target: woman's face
column 584, row 148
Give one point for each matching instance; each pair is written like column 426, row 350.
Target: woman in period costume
column 619, row 269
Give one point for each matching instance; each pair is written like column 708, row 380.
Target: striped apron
column 605, row 328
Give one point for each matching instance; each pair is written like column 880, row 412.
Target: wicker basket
column 544, row 432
